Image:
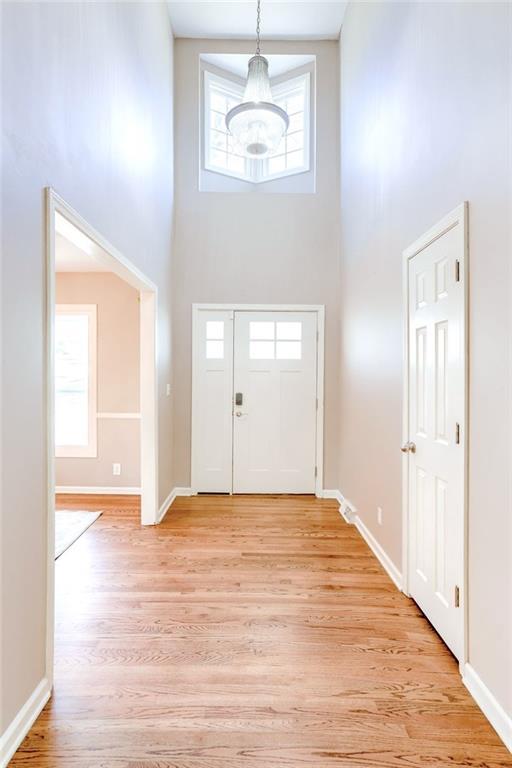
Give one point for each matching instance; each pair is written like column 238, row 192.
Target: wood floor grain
column 245, row 632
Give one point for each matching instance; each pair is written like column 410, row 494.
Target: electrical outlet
column 116, row 469
column 168, row 390
column 379, row 515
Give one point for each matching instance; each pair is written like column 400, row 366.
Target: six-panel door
column 436, row 423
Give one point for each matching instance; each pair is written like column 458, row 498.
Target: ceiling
column 280, row 19
column 74, row 251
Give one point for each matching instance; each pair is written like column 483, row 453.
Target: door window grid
column 214, row 339
column 270, row 340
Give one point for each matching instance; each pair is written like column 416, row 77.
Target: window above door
column 220, row 158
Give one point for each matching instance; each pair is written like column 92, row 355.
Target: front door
column 436, row 464
column 274, row 429
column 254, row 401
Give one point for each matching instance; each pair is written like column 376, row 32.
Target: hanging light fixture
column 257, row 124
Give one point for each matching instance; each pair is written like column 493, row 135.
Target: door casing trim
column 319, row 309
column 458, row 216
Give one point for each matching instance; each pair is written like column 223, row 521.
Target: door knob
column 238, row 413
column 409, row 447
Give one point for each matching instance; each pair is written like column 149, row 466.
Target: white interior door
column 275, row 400
column 436, row 471
column 212, row 389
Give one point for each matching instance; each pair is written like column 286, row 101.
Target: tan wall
column 117, row 379
column 253, row 247
column 426, row 105
column 87, row 108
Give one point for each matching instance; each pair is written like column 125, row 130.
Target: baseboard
column 492, row 709
column 379, row 552
column 349, row 513
column 169, row 500
column 98, row 490
column 23, row 722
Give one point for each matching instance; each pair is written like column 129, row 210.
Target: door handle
column 238, row 414
column 408, row 447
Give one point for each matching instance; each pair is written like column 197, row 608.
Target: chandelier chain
column 258, row 20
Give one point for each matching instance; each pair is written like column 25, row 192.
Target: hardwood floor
column 245, row 632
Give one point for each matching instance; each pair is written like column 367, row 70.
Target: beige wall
column 117, row 379
column 426, row 106
column 87, row 108
column 263, row 248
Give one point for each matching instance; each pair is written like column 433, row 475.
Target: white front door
column 436, row 463
column 254, row 401
column 275, row 391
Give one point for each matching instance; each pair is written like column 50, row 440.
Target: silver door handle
column 408, row 447
column 238, row 413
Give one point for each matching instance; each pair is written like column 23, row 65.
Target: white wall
column 426, row 124
column 263, row 248
column 87, row 108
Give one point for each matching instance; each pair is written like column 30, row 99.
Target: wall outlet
column 168, row 390
column 116, row 469
column 379, row 515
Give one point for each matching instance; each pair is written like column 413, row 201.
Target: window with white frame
column 219, row 150
column 75, row 380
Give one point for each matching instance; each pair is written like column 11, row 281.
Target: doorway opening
column 76, row 421
column 257, row 399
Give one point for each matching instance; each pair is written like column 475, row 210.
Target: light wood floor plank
column 245, row 632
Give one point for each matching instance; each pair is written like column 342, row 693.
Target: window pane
column 215, row 329
column 289, row 331
column 295, row 159
column 214, row 349
column 261, row 350
column 218, row 139
column 296, row 122
column 261, row 330
column 294, row 141
column 71, row 380
column 217, row 101
column 217, row 121
column 236, row 164
column 295, row 103
column 218, row 158
column 276, row 165
column 288, row 350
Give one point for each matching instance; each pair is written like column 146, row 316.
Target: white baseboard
column 98, row 489
column 382, row 556
column 349, row 513
column 169, row 500
column 492, row 709
column 23, row 722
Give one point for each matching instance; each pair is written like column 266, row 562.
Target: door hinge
column 456, row 597
column 316, row 471
column 317, row 403
column 457, row 271
column 457, row 433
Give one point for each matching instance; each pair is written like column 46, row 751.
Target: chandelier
column 257, row 124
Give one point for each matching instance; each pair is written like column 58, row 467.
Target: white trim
column 458, row 216
column 320, row 369
column 91, row 449
column 107, row 415
column 171, row 498
column 381, row 555
column 491, row 708
column 101, row 490
column 23, row 722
